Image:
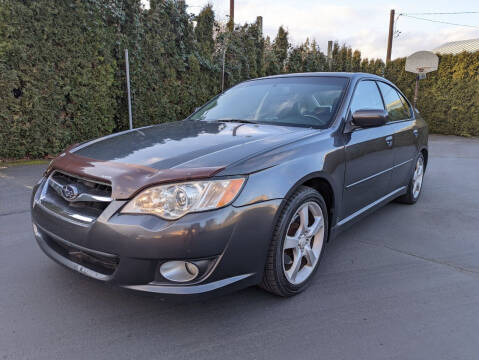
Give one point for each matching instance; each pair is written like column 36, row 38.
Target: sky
column 361, row 24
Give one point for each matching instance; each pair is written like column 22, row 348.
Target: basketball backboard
column 422, row 62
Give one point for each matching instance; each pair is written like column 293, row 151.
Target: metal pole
column 330, row 54
column 223, row 76
column 390, row 36
column 130, row 120
column 416, row 90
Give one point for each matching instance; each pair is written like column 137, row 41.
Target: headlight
column 172, row 201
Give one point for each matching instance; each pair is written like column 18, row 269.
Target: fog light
column 179, row 271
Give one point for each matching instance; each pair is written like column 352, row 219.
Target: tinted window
column 367, row 97
column 396, row 108
column 406, row 105
column 303, row 101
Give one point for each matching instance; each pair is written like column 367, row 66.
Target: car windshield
column 298, row 101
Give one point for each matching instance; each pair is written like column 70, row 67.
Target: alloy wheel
column 303, row 242
column 418, row 177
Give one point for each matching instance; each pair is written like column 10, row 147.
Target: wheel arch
column 322, row 184
column 425, row 154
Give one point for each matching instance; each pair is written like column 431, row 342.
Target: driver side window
column 366, row 97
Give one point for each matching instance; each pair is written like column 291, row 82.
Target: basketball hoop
column 420, row 63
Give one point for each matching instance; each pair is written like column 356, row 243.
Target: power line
column 441, row 13
column 441, row 22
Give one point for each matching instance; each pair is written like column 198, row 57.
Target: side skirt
column 365, row 211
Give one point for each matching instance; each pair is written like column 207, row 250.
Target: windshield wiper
column 237, row 120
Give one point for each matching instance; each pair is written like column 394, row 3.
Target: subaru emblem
column 69, row 192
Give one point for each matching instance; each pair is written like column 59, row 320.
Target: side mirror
column 370, row 118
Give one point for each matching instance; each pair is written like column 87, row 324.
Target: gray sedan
column 245, row 191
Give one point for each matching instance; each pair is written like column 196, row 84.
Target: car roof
column 350, row 75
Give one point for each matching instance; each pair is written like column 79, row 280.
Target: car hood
column 176, row 151
column 189, row 144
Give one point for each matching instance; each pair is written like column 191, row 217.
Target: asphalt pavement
column 401, row 284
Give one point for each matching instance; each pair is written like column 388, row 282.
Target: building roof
column 456, row 47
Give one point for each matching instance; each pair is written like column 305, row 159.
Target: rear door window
column 397, row 108
column 406, row 105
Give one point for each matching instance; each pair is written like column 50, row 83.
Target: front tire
column 297, row 244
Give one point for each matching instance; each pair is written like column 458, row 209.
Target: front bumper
column 127, row 250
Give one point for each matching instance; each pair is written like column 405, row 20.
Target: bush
column 56, row 76
column 62, row 77
column 449, row 97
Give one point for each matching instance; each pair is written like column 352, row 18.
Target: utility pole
column 231, row 26
column 390, row 36
column 232, row 11
column 330, row 54
column 127, row 63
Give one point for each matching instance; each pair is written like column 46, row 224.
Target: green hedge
column 62, row 76
column 449, row 97
column 56, row 77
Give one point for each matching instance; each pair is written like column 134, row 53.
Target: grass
column 23, row 162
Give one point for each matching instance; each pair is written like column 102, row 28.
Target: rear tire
column 415, row 184
column 297, row 244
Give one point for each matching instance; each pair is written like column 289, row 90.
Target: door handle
column 415, row 132
column 389, row 141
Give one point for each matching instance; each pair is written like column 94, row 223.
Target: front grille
column 87, row 186
column 92, row 198
column 103, row 264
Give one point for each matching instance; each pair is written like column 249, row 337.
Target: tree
column 281, row 47
column 54, row 91
column 205, row 22
column 62, row 70
column 271, row 64
column 356, row 61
